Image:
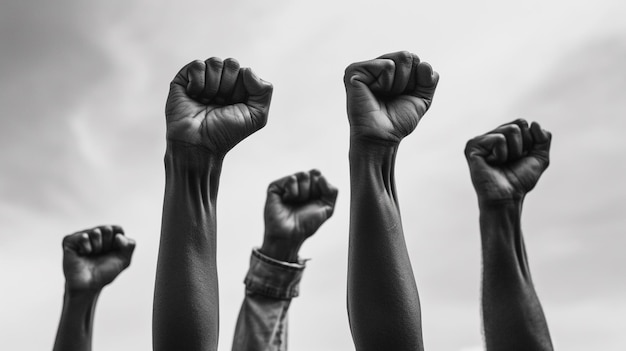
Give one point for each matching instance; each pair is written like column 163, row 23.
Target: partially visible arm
column 212, row 105
column 92, row 259
column 505, row 164
column 296, row 206
column 76, row 324
column 386, row 99
column 513, row 317
column 270, row 287
column 383, row 301
column 186, row 289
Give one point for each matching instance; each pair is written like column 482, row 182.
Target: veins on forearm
column 374, row 162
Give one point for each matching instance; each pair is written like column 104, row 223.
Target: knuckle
column 231, row 63
column 196, row 66
column 499, row 137
column 470, row 143
column 510, row 128
column 521, row 122
column 404, row 56
column 471, row 146
column 276, row 184
column 214, row 62
column 349, row 70
column 387, row 64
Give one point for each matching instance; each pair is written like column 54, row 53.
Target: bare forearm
column 513, row 317
column 186, row 288
column 76, row 324
column 383, row 302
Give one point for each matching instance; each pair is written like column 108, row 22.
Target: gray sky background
column 82, row 139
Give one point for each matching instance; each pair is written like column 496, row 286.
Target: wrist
column 371, row 145
column 281, row 250
column 192, row 169
column 500, row 220
column 73, row 293
column 192, row 158
column 372, row 165
column 372, row 153
column 500, row 204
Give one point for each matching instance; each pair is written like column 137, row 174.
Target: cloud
column 49, row 61
column 82, row 139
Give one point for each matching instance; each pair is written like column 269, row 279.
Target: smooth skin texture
column 296, row 206
column 212, row 106
column 386, row 98
column 505, row 164
column 92, row 259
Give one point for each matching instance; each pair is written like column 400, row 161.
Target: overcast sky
column 82, row 132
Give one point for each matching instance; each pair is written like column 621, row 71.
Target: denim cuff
column 273, row 278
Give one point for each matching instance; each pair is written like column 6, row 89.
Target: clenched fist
column 296, row 206
column 506, row 163
column 388, row 96
column 215, row 104
column 94, row 257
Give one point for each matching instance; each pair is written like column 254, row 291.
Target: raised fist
column 296, row 206
column 388, row 96
column 93, row 258
column 506, row 163
column 216, row 104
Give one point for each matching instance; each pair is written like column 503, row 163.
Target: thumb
column 490, row 148
column 182, row 82
column 363, row 79
column 476, row 152
column 180, row 87
column 315, row 217
column 126, row 247
column 274, row 195
column 541, row 147
column 259, row 95
column 377, row 75
column 329, row 196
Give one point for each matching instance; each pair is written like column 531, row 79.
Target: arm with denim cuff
column 505, row 164
column 386, row 98
column 212, row 106
column 92, row 259
column 295, row 208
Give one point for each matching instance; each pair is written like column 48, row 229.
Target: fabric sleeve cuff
column 273, row 278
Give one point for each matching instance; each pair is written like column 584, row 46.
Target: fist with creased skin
column 506, row 163
column 215, row 104
column 93, row 258
column 388, row 96
column 296, row 206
